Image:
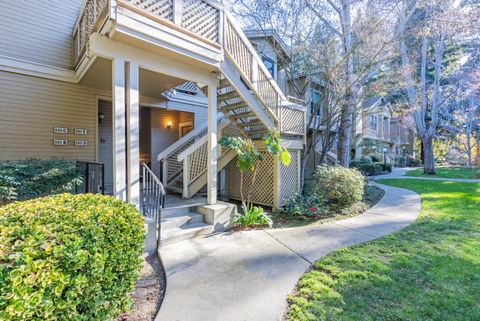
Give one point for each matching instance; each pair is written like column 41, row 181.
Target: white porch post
column 133, row 134
column 212, row 145
column 118, row 119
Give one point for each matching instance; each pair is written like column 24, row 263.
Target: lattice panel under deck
column 262, row 191
column 289, row 178
column 159, row 8
column 201, row 18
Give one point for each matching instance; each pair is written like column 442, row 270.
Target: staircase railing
column 205, row 20
column 171, row 167
column 195, row 159
column 152, row 194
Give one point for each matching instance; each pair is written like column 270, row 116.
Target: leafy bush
column 400, row 161
column 337, row 186
column 366, row 160
column 31, row 178
column 367, row 169
column 68, row 257
column 376, row 158
column 386, row 167
column 252, row 216
column 305, row 207
column 413, row 162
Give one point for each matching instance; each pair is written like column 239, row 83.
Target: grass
column 448, row 172
column 427, row 271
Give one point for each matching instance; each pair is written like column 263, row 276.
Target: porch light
column 169, row 124
column 101, row 117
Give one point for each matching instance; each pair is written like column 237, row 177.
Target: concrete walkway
column 247, row 276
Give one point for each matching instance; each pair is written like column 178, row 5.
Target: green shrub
column 68, row 257
column 413, row 162
column 366, row 160
column 368, row 169
column 252, row 216
column 386, row 167
column 400, row 161
column 376, row 158
column 337, row 186
column 302, row 207
column 31, row 178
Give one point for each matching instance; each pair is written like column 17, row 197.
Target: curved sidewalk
column 247, row 276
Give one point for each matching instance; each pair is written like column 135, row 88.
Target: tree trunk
column 429, row 158
column 422, row 157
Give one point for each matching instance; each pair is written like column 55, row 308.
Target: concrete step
column 180, row 220
column 183, row 233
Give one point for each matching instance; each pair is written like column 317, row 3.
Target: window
column 373, row 122
column 270, row 64
column 316, row 99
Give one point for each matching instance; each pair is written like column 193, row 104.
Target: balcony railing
column 92, row 12
column 207, row 21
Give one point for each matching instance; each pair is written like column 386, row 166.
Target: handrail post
column 254, row 74
column 186, row 177
column 221, row 26
column 177, row 12
column 164, row 171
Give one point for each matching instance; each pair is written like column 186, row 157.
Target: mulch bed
column 148, row 293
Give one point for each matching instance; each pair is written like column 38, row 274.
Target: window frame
column 272, row 62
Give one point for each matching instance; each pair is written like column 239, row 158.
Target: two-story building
column 378, row 132
column 147, row 88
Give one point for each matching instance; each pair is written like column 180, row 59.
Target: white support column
column 133, row 134
column 212, row 145
column 118, row 125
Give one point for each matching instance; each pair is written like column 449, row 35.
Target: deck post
column 133, row 134
column 119, row 122
column 212, row 145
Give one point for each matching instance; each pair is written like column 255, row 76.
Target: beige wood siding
column 31, row 107
column 39, row 30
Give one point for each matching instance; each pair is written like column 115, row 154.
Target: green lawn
column 448, row 172
column 427, row 271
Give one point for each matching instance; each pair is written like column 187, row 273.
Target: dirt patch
column 149, row 292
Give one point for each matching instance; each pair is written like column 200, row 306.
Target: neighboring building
column 116, row 82
column 378, row 132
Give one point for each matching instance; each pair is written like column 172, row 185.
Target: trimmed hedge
column 32, row 178
column 337, row 186
column 68, row 257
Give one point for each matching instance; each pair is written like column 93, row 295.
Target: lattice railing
column 159, row 8
column 171, row 167
column 197, row 160
column 201, row 18
column 293, row 120
column 86, row 24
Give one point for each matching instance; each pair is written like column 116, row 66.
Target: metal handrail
column 153, row 197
